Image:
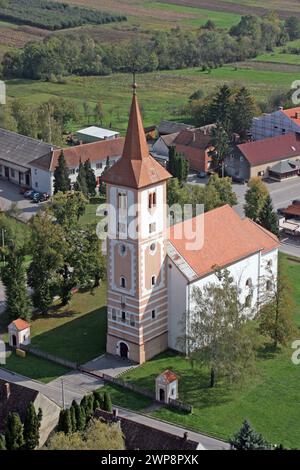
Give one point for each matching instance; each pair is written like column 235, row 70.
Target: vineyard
column 52, row 15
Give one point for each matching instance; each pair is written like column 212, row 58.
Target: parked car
column 202, row 174
column 29, row 194
column 40, row 197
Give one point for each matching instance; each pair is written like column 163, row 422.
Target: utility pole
column 63, row 393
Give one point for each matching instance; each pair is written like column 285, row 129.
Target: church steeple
column 136, row 168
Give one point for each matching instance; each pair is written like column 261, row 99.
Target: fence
column 50, row 357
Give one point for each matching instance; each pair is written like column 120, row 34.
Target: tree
column 13, row 432
column 107, row 405
column 2, row 442
column 81, row 182
column 243, row 112
column 79, row 415
column 224, row 189
column 255, row 198
column 221, row 147
column 90, row 178
column 217, row 337
column 68, row 207
column 97, row 436
column 98, row 400
column 248, row 439
column 268, row 217
column 62, row 182
column 221, row 108
column 99, row 113
column 178, row 165
column 275, row 316
column 65, row 422
column 73, row 419
column 292, row 26
column 47, row 249
column 32, row 426
column 18, row 302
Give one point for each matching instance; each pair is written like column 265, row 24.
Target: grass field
column 34, row 367
column 269, row 399
column 161, row 94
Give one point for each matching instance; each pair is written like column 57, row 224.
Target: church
column 152, row 271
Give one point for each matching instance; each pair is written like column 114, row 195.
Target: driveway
column 9, row 194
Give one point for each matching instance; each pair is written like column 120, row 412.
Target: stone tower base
column 138, row 353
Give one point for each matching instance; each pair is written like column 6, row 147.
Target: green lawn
column 197, row 17
column 162, row 94
column 76, row 332
column 90, row 217
column 34, row 367
column 127, row 399
column 269, row 399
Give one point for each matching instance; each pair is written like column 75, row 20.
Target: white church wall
column 156, row 216
column 177, row 297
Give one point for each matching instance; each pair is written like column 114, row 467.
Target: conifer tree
column 268, row 218
column 98, row 400
column 73, row 419
column 61, row 175
column 79, row 415
column 90, row 178
column 32, row 426
column 65, row 423
column 18, row 303
column 243, row 112
column 248, row 439
column 81, row 183
column 13, row 432
column 107, row 405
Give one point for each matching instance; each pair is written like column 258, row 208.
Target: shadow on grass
column 78, row 340
column 268, row 351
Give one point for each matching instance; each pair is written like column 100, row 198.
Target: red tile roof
column 293, row 210
column 196, row 138
column 227, row 239
column 21, row 324
column 94, row 151
column 169, row 376
column 294, row 114
column 136, row 169
column 271, row 149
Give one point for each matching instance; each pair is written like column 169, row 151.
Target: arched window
column 269, row 285
column 123, row 282
column 113, row 314
column 153, row 280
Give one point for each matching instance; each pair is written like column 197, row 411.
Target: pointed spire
column 135, row 147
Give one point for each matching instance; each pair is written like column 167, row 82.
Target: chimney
column 7, row 390
column 185, row 436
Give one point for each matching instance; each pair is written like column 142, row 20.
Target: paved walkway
column 110, row 365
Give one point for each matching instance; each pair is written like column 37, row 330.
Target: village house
column 160, row 150
column 95, row 134
column 31, row 163
column 16, row 398
column 152, row 270
column 171, row 127
column 16, row 151
column 195, row 146
column 281, row 122
column 42, row 169
column 276, row 158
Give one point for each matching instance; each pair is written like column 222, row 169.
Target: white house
column 42, row 169
column 161, row 147
column 281, row 122
column 94, row 134
column 19, row 333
